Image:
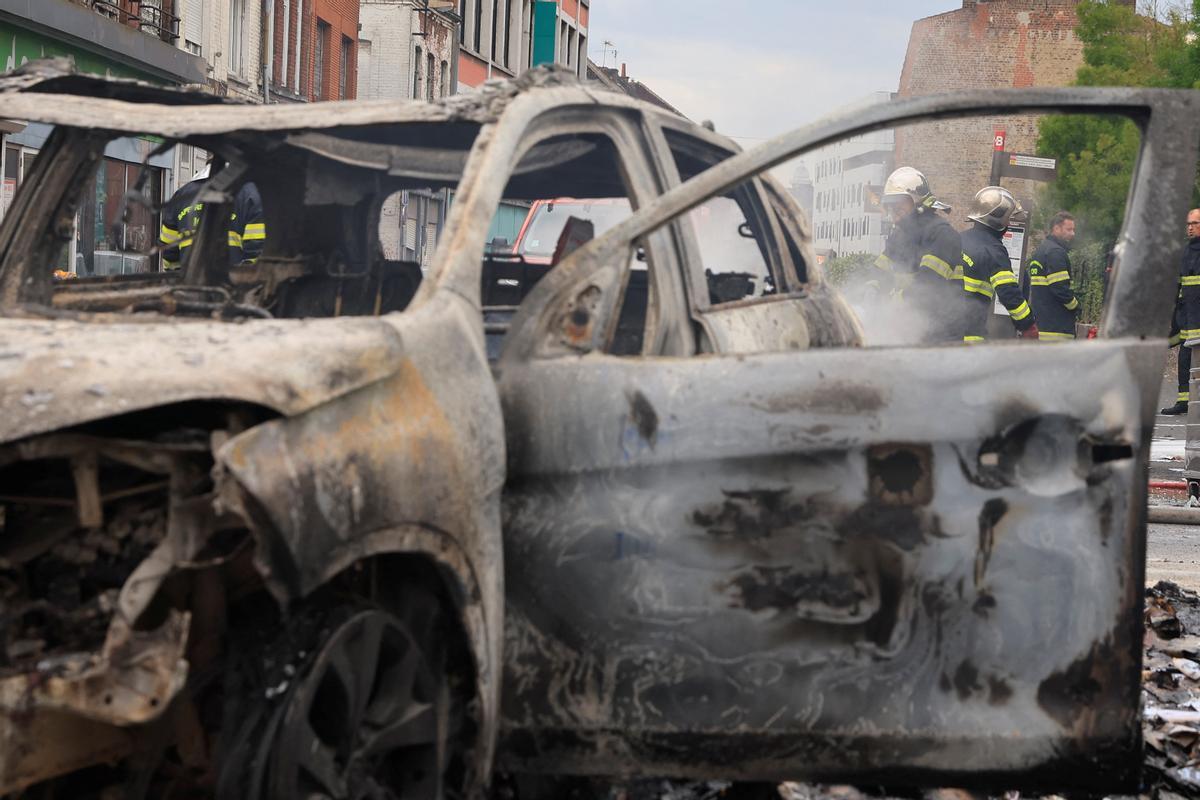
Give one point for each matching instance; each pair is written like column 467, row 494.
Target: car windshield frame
column 1161, row 193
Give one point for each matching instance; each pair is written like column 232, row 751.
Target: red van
column 540, row 231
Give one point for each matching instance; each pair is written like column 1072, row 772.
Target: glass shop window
column 105, row 244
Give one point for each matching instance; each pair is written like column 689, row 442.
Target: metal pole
column 269, row 50
column 1173, row 515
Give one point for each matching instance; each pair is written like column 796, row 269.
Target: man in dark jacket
column 986, row 268
column 181, row 220
column 1185, row 329
column 922, row 255
column 1050, row 296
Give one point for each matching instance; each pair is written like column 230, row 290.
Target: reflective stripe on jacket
column 923, row 253
column 1189, row 292
column 1053, row 302
column 181, row 219
column 987, row 274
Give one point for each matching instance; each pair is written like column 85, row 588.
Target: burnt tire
column 361, row 708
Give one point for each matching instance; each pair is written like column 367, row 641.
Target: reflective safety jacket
column 922, row 254
column 181, row 220
column 986, row 274
column 1050, row 296
column 1187, row 313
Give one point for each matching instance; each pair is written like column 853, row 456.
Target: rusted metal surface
column 744, row 564
column 752, row 600
column 289, row 367
column 659, row 668
column 359, row 414
column 131, row 681
column 164, row 116
column 77, row 743
column 350, row 490
column 757, row 326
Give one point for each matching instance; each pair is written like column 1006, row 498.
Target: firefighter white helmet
column 911, row 183
column 994, row 206
column 906, row 182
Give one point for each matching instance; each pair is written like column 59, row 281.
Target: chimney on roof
column 624, row 73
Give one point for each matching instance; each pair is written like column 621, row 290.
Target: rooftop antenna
column 604, row 59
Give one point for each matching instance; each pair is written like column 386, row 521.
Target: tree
column 845, row 271
column 1158, row 47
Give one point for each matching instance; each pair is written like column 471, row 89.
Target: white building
column 801, row 188
column 227, row 34
column 408, row 49
column 848, row 179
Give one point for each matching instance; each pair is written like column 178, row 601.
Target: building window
column 300, row 78
column 237, row 37
column 103, row 235
column 417, row 85
column 429, row 77
column 345, row 66
column 507, row 35
column 497, row 31
column 445, row 78
column 462, row 20
column 193, row 26
column 320, row 63
column 528, row 28
column 478, row 33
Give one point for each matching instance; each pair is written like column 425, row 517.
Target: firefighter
column 1185, row 330
column 986, row 268
column 922, row 255
column 1050, row 296
column 181, row 219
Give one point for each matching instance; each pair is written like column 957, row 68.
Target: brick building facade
column 503, row 38
column 985, row 44
column 314, row 49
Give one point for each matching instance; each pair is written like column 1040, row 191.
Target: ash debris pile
column 1171, row 691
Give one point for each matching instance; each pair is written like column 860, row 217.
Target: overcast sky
column 759, row 68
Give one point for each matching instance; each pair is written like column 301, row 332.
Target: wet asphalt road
column 1173, row 551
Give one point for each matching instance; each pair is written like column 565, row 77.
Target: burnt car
column 286, row 529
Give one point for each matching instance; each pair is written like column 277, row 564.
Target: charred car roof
column 128, row 106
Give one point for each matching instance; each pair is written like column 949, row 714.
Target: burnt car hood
column 56, row 373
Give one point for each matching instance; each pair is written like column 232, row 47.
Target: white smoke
column 886, row 319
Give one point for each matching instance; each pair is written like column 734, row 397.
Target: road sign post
column 999, row 138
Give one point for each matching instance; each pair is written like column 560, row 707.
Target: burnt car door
column 914, row 564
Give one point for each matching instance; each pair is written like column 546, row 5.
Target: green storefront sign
column 19, row 46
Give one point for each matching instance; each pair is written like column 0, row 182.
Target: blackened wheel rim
column 369, row 719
